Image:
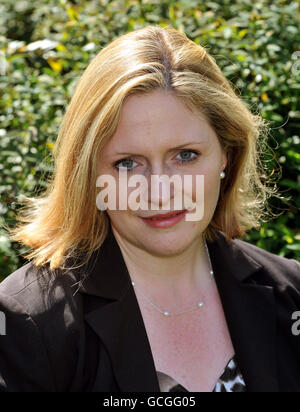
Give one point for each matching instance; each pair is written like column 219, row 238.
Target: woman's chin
column 165, row 245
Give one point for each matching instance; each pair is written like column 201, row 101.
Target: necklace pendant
column 200, row 304
column 166, row 313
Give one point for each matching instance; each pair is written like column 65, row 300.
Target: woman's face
column 146, row 142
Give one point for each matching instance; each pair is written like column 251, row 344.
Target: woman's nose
column 160, row 188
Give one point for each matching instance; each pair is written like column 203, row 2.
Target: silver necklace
column 199, row 304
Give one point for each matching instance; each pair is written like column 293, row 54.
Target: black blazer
column 66, row 335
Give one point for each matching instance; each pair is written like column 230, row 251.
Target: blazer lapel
column 249, row 310
column 120, row 326
column 118, row 321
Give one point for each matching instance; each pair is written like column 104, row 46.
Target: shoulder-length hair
column 64, row 221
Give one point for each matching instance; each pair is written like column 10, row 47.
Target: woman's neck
column 176, row 275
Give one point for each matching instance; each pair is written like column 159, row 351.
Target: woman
column 114, row 300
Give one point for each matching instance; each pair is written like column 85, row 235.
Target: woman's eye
column 128, row 164
column 186, row 156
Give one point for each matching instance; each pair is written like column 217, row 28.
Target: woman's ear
column 225, row 155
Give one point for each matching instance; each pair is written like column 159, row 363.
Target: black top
column 63, row 336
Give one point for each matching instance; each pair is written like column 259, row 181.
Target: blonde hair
column 64, row 221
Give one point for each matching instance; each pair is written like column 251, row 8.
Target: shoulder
column 43, row 320
column 276, row 269
column 38, row 289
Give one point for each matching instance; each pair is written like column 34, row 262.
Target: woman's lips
column 165, row 222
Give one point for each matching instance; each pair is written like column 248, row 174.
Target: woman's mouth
column 165, row 222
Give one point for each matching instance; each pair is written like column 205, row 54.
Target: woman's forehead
column 137, row 144
column 157, row 124
column 157, row 105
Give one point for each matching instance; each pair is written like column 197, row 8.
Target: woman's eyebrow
column 174, row 148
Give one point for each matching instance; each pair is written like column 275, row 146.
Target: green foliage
column 254, row 42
